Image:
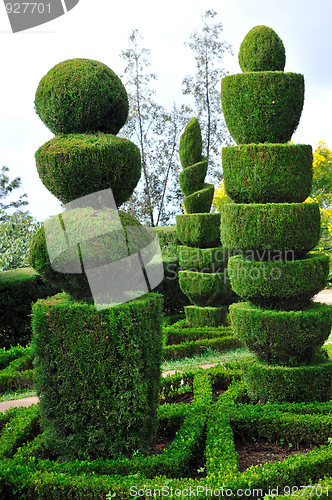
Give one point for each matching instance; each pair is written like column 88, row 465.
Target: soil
column 249, row 453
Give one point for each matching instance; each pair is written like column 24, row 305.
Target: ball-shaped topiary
column 262, row 50
column 82, row 96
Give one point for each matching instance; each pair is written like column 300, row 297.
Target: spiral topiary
column 198, row 194
column 272, row 229
column 203, row 280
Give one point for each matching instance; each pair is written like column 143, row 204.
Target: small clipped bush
column 267, row 173
column 82, row 96
column 190, row 149
column 262, row 107
column 205, row 260
column 262, row 50
column 205, row 316
column 97, row 162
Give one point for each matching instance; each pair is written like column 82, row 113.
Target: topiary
column 82, row 96
column 198, row 194
column 262, row 50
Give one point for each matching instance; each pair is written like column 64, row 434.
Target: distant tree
column 205, row 86
column 321, row 193
column 156, row 131
column 17, row 229
column 6, row 188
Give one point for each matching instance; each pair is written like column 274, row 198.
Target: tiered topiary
column 98, row 367
column 203, row 280
column 273, row 229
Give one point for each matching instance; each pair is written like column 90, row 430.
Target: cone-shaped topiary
column 199, row 195
column 273, row 230
column 262, row 50
column 203, row 280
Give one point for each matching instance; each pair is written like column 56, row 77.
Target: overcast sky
column 99, row 29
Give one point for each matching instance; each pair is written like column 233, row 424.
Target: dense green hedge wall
column 262, row 107
column 98, row 374
column 283, row 383
column 287, row 338
column 262, row 50
column 82, row 96
column 198, row 230
column 267, row 173
column 205, row 316
column 96, row 162
column 273, row 227
column 19, row 289
column 279, row 285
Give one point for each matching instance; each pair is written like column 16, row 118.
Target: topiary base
column 278, row 384
column 198, row 230
column 205, row 316
column 97, row 375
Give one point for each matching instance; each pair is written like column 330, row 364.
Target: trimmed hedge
column 96, row 162
column 262, row 106
column 200, row 201
column 198, row 230
column 97, row 373
column 273, row 227
column 192, row 178
column 204, row 289
column 287, row 338
column 20, row 288
column 262, row 50
column 82, row 96
column 284, row 383
column 230, row 416
column 279, row 285
column 267, row 173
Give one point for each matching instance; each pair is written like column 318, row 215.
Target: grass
column 11, row 395
column 209, row 356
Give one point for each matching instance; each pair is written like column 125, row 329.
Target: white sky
column 99, row 29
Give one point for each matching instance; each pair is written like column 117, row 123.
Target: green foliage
column 273, row 227
column 98, row 374
column 199, row 201
column 112, row 245
column 16, row 234
column 190, row 149
column 81, row 96
column 283, row 383
column 204, row 289
column 205, row 260
column 205, row 316
column 262, row 50
column 198, row 230
column 279, row 285
column 20, row 429
column 267, row 173
column 5, row 189
column 96, row 162
column 289, row 338
column 262, row 107
column 220, row 197
column 19, row 288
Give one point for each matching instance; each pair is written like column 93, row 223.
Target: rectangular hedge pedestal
column 97, row 374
